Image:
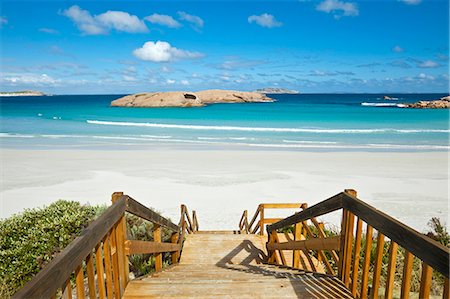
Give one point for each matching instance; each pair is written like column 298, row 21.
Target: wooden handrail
column 142, row 211
column 428, row 250
column 55, row 273
column 432, row 254
column 105, row 241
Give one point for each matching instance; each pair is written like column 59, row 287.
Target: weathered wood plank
column 174, row 256
column 296, row 253
column 282, row 205
column 431, row 252
column 79, row 282
column 142, row 247
column 425, row 281
column 115, row 265
column 91, row 275
column 55, row 273
column 310, row 244
column 391, row 270
column 142, row 211
column 108, row 266
column 157, row 240
column 356, row 257
column 407, row 271
column 348, row 248
column 366, row 264
column 377, row 265
column 100, row 272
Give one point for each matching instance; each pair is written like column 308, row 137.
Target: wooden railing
column 255, row 226
column 359, row 270
column 97, row 260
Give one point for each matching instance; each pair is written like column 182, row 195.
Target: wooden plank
column 91, row 275
column 296, row 253
column 142, row 211
column 271, row 253
column 446, row 293
column 174, row 256
column 366, row 264
column 56, row 272
column 66, row 290
column 282, row 205
column 121, row 236
column 348, row 248
column 327, row 206
column 108, row 266
column 377, row 265
column 320, row 252
column 157, row 240
column 143, row 247
column 407, row 271
column 310, row 244
column 391, row 270
column 115, row 265
column 282, row 257
column 100, row 272
column 79, row 282
column 271, row 220
column 428, row 250
column 342, row 251
column 195, row 220
column 356, row 257
column 425, row 281
column 254, row 218
column 261, row 221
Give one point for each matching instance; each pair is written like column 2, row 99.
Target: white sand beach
column 219, row 185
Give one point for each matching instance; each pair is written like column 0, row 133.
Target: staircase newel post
column 346, row 243
column 261, row 220
column 120, row 237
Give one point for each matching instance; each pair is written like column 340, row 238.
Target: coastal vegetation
column 27, row 93
column 29, row 240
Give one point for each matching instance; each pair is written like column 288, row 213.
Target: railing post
column 157, row 238
column 120, row 237
column 296, row 253
column 261, row 220
column 345, row 252
column 174, row 240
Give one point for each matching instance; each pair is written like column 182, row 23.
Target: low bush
column 29, row 240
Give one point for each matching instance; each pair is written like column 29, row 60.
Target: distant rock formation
column 189, row 99
column 442, row 103
column 23, row 93
column 275, row 90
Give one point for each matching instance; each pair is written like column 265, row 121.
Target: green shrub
column 29, row 240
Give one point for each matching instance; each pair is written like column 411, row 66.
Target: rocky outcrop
column 189, row 99
column 442, row 103
column 24, row 93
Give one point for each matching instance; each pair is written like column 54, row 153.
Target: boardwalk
column 227, row 265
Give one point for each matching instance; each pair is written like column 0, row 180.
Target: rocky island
column 189, row 99
column 23, row 93
column 442, row 103
column 275, row 90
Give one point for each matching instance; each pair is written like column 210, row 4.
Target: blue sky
column 65, row 47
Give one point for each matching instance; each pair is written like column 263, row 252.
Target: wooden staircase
column 229, row 264
column 294, row 257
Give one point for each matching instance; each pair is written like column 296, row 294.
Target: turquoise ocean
column 298, row 122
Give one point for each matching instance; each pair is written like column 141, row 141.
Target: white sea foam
column 262, row 129
column 383, row 105
column 309, row 142
column 12, row 135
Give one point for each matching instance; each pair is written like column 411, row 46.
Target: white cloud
column 163, row 52
column 103, row 23
column 184, row 82
column 3, row 21
column 398, row 49
column 428, row 64
column 48, row 30
column 163, row 20
column 28, row 78
column 170, row 81
column 338, row 8
column 264, row 20
column 411, row 2
column 194, row 20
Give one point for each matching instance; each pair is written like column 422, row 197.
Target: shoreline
column 411, row 187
